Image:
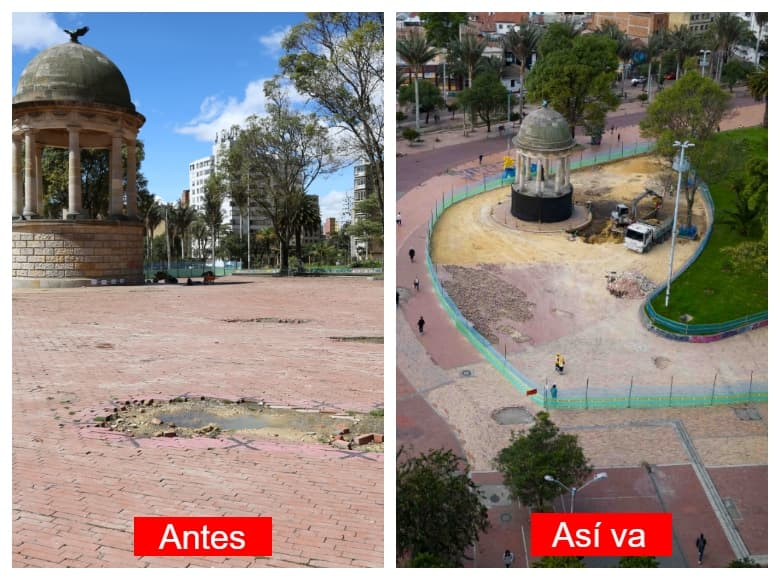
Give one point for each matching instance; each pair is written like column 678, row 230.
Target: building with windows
column 748, row 53
column 360, row 248
column 640, row 25
column 696, row 21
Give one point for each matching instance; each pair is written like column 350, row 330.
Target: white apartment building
column 748, row 53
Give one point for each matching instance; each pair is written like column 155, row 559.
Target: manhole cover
column 747, row 414
column 731, row 507
column 466, row 373
column 512, row 416
column 495, row 498
column 505, row 517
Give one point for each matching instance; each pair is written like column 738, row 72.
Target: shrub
column 410, row 134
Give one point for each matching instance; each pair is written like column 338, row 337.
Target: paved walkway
column 76, row 488
column 695, row 468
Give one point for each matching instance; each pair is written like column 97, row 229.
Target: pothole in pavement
column 268, row 319
column 369, row 339
column 512, row 416
column 208, row 417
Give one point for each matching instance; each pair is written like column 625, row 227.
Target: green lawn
column 708, row 291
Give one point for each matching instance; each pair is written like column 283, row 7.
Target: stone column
column 520, row 171
column 74, row 173
column 29, row 174
column 39, row 179
column 538, row 175
column 558, row 174
column 132, row 192
column 115, row 205
column 17, row 180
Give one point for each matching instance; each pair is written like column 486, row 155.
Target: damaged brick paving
column 210, row 417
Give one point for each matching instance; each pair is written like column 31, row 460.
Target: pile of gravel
column 629, row 285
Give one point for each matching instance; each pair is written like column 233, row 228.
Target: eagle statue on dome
column 74, row 34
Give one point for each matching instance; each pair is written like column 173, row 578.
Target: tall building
column 361, row 248
column 745, row 52
column 696, row 21
column 639, row 25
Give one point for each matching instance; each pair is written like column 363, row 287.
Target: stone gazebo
column 542, row 191
column 71, row 96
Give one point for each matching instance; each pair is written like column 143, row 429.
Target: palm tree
column 152, row 213
column 212, row 212
column 466, row 54
column 522, row 41
column 684, row 42
column 758, row 85
column 655, row 45
column 182, row 216
column 728, row 29
column 199, row 231
column 416, row 51
column 307, row 219
column 761, row 19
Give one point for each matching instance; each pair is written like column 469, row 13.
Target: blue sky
column 190, row 75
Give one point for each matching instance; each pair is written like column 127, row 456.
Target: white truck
column 641, row 235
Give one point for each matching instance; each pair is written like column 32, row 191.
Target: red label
column 202, row 536
column 599, row 534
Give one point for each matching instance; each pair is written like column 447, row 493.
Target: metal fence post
column 630, row 390
column 712, row 396
column 587, row 384
column 750, row 388
column 671, row 386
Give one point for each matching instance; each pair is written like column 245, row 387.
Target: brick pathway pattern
column 76, row 488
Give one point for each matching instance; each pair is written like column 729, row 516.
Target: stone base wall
column 54, row 253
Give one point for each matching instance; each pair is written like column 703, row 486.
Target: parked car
column 670, row 76
column 638, row 81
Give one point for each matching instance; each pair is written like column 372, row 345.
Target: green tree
column 638, row 562
column 307, row 220
column 199, row 231
column 486, row 98
column 368, row 224
column 416, row 51
column 543, row 450
column 691, row 110
column 410, row 134
column 442, row 28
column 522, row 41
column 729, row 30
column 735, row 71
column 683, row 42
column 282, row 153
column 150, row 211
column 430, row 99
column 745, row 562
column 181, row 217
column 425, row 560
column 439, row 509
column 337, row 59
column 465, row 54
column 655, row 47
column 761, row 19
column 758, row 85
column 557, row 36
column 558, row 562
column 212, row 211
column 576, row 75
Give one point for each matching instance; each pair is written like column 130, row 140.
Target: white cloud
column 272, row 42
column 332, row 205
column 35, row 31
column 217, row 113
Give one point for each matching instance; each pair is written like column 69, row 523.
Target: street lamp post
column 680, row 168
column 573, row 489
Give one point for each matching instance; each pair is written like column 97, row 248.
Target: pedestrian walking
column 559, row 363
column 411, row 254
column 421, row 324
column 554, row 392
column 509, row 558
column 701, row 542
column 480, row 158
column 398, row 218
column 417, row 284
column 618, row 137
column 612, row 130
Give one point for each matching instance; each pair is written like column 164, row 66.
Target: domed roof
column 73, row 72
column 544, row 130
